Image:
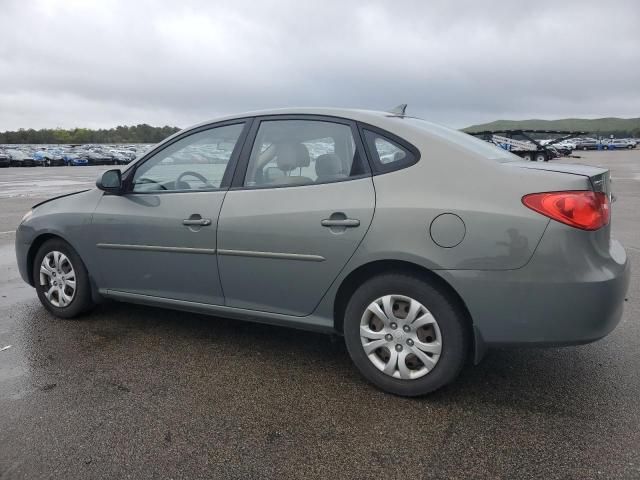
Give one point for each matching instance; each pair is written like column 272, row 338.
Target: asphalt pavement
column 138, row 392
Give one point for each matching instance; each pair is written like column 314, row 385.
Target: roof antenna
column 399, row 110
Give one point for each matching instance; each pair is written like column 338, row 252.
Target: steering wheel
column 193, row 174
column 143, row 180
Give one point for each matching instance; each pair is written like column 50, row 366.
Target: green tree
column 142, row 133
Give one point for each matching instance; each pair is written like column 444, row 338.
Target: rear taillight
column 582, row 209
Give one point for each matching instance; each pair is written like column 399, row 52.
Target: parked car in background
column 566, row 147
column 38, row 160
column 54, row 157
column 619, row 143
column 344, row 221
column 562, row 148
column 5, row 161
column 99, row 158
column 48, row 158
column 75, row 159
column 20, row 159
column 559, row 148
column 587, row 144
column 118, row 158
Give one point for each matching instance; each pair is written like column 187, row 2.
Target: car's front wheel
column 61, row 279
column 405, row 335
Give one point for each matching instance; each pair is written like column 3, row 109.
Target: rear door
column 301, row 203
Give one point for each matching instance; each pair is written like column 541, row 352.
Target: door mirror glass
column 110, row 181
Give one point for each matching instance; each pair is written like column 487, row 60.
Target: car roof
column 367, row 116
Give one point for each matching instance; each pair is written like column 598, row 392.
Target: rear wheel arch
column 369, row 270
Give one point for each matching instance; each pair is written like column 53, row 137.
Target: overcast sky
column 102, row 63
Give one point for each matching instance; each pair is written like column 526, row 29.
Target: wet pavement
column 136, row 392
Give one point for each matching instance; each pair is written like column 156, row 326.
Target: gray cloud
column 97, row 63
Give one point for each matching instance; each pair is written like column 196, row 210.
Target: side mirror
column 110, row 181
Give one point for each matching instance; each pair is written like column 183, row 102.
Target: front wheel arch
column 35, row 246
column 33, row 251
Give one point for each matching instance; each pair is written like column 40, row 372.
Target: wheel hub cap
column 58, row 279
column 400, row 337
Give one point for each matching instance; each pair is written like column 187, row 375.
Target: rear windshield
column 466, row 141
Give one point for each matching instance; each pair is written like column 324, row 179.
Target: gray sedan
column 421, row 245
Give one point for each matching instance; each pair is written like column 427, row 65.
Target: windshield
column 466, row 141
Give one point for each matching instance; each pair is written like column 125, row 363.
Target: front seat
column 329, row 168
column 290, row 156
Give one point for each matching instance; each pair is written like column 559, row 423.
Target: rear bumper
column 568, row 294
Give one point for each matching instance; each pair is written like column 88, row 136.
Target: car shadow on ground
column 133, row 342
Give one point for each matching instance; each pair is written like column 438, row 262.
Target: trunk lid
column 599, row 177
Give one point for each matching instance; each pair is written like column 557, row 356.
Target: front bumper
column 570, row 293
column 23, row 243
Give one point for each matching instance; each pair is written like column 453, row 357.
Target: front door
column 159, row 238
column 296, row 216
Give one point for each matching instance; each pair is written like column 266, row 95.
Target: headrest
column 328, row 164
column 292, row 155
column 304, row 157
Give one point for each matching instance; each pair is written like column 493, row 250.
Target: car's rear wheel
column 405, row 335
column 61, row 279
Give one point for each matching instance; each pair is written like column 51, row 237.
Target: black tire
column 527, row 157
column 451, row 321
column 606, row 147
column 585, row 148
column 81, row 301
column 540, row 157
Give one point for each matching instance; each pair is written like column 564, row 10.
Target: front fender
column 68, row 217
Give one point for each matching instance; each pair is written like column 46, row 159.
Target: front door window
column 197, row 162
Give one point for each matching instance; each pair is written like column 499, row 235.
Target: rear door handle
column 346, row 222
column 198, row 222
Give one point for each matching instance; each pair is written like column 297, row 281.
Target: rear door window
column 299, row 152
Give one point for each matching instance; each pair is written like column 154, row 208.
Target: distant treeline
column 618, row 127
column 122, row 134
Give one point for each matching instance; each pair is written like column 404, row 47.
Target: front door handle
column 341, row 222
column 196, row 222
